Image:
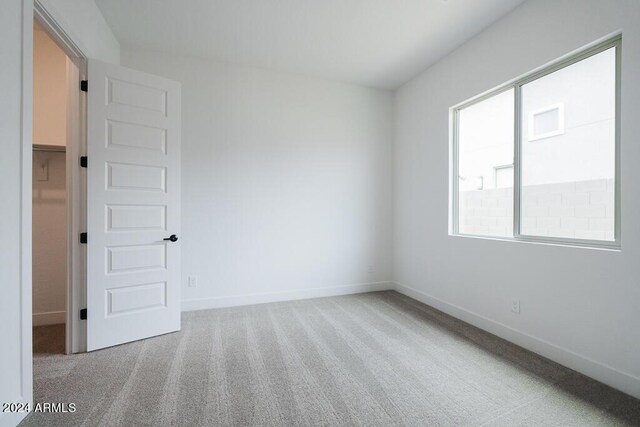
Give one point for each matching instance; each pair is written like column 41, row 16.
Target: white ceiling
column 379, row 43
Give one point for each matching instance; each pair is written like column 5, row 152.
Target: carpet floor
column 376, row 359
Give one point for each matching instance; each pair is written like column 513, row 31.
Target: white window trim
column 532, row 132
column 516, row 85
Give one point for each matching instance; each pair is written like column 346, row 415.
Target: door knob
column 172, row 238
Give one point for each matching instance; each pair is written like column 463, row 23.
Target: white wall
column 49, row 91
column 15, row 377
column 83, row 22
column 579, row 306
column 286, row 182
column 50, row 240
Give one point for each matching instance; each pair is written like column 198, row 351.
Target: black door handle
column 172, row 238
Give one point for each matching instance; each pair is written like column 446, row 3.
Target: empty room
column 320, row 213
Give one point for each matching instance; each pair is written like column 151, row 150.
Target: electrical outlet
column 370, row 270
column 193, row 281
column 515, row 306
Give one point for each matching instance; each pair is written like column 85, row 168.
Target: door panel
column 136, row 217
column 129, row 135
column 133, row 204
column 135, row 177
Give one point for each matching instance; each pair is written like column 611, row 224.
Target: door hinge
column 83, row 237
column 83, row 314
column 84, row 161
column 84, row 85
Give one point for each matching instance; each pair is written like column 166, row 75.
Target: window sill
column 579, row 244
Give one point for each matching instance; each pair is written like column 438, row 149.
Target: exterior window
column 546, row 122
column 537, row 160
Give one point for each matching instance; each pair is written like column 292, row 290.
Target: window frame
column 516, row 85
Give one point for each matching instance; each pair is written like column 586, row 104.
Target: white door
column 133, row 205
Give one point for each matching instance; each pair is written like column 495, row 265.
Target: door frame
column 75, row 329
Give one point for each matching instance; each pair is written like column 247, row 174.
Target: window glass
column 485, row 185
column 568, row 156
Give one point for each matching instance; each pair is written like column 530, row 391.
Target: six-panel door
column 133, row 204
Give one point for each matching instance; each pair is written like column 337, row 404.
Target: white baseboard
column 611, row 376
column 49, row 318
column 250, row 299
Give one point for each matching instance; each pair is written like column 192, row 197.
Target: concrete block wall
column 487, row 212
column 581, row 210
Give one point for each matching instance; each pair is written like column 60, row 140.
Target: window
column 537, row 160
column 546, row 122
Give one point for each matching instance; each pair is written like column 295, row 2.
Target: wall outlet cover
column 515, row 306
column 42, row 170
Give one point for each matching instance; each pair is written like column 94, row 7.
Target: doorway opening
column 58, row 184
column 49, row 209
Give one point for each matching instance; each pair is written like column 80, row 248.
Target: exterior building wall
column 581, row 210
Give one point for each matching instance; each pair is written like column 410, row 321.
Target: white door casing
column 133, row 204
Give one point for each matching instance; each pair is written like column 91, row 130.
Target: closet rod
column 49, row 148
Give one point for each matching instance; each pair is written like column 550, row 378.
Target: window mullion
column 455, row 197
column 517, row 156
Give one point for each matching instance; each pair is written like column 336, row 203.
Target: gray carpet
column 377, row 359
